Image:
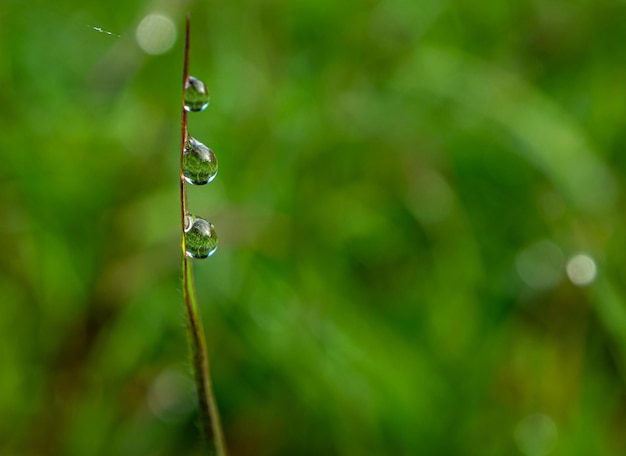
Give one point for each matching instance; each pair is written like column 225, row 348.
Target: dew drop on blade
column 200, row 237
column 199, row 163
column 196, row 95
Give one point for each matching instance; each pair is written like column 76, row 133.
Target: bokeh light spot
column 156, row 34
column 581, row 270
column 536, row 435
column 540, row 265
column 171, row 396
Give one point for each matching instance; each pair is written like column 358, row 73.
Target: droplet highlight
column 200, row 237
column 199, row 163
column 196, row 95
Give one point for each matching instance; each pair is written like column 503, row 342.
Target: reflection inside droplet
column 156, row 34
column 196, row 95
column 200, row 237
column 199, row 163
column 581, row 269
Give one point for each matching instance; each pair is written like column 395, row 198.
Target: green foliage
column 390, row 176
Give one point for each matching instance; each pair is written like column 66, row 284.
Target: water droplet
column 200, row 237
column 196, row 95
column 199, row 163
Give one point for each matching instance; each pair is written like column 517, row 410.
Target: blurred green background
column 419, row 208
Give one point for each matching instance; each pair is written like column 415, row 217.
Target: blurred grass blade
column 549, row 138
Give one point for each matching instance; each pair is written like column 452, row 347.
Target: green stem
column 210, row 419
